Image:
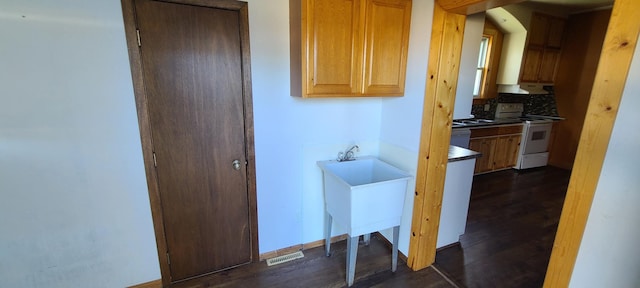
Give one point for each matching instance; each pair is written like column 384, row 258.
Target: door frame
column 444, row 58
column 128, row 12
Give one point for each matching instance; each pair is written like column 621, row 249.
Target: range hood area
column 523, row 88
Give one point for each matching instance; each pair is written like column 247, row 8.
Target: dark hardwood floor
column 373, row 269
column 512, row 222
column 511, row 226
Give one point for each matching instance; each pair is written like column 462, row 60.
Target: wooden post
column 442, row 79
column 613, row 68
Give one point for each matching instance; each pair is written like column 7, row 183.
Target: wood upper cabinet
column 543, row 50
column 548, row 65
column 386, row 45
column 333, row 62
column 538, row 29
column 349, row 47
column 556, row 32
column 531, row 64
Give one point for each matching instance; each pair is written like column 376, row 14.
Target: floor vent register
column 284, row 258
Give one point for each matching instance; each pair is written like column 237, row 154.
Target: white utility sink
column 364, row 196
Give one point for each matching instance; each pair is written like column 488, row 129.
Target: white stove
column 509, row 110
column 535, row 135
column 514, row 111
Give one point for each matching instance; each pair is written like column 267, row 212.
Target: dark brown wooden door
column 192, row 69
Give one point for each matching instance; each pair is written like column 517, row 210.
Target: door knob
column 236, row 164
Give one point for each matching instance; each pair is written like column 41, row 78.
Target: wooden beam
column 444, row 62
column 468, row 7
column 615, row 59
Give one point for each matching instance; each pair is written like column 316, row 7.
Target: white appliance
column 534, row 143
column 460, row 137
column 457, row 193
column 535, row 136
column 455, row 201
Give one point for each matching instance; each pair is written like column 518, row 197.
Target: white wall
column 292, row 133
column 473, row 29
column 522, row 12
column 609, row 254
column 74, row 209
column 514, row 26
column 402, row 117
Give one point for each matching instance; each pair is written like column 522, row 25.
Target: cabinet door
column 333, row 47
column 386, row 45
column 556, row 30
column 506, row 151
column 486, row 146
column 543, row 49
column 550, row 58
column 501, row 155
column 514, row 148
column 538, row 29
column 531, row 64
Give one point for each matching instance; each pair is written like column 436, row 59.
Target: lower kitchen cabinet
column 506, row 152
column 499, row 147
column 486, row 146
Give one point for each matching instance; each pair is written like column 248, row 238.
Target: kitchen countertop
column 495, row 122
column 481, row 123
column 458, row 154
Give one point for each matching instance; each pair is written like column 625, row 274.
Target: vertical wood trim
column 248, row 129
column 489, row 86
column 128, row 12
column 135, row 61
column 613, row 68
column 444, row 61
column 295, row 49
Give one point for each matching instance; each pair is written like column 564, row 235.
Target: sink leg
column 352, row 254
column 327, row 239
column 394, row 253
column 367, row 239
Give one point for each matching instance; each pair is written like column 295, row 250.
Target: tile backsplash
column 536, row 104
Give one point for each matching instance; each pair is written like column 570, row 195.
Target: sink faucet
column 349, row 154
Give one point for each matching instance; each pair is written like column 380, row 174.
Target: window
column 481, row 72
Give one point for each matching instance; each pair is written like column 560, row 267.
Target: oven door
column 536, row 138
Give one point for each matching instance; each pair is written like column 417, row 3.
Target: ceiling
column 571, row 6
column 562, row 8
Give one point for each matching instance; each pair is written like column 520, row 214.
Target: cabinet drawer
column 484, row 132
column 510, row 130
column 496, row 131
